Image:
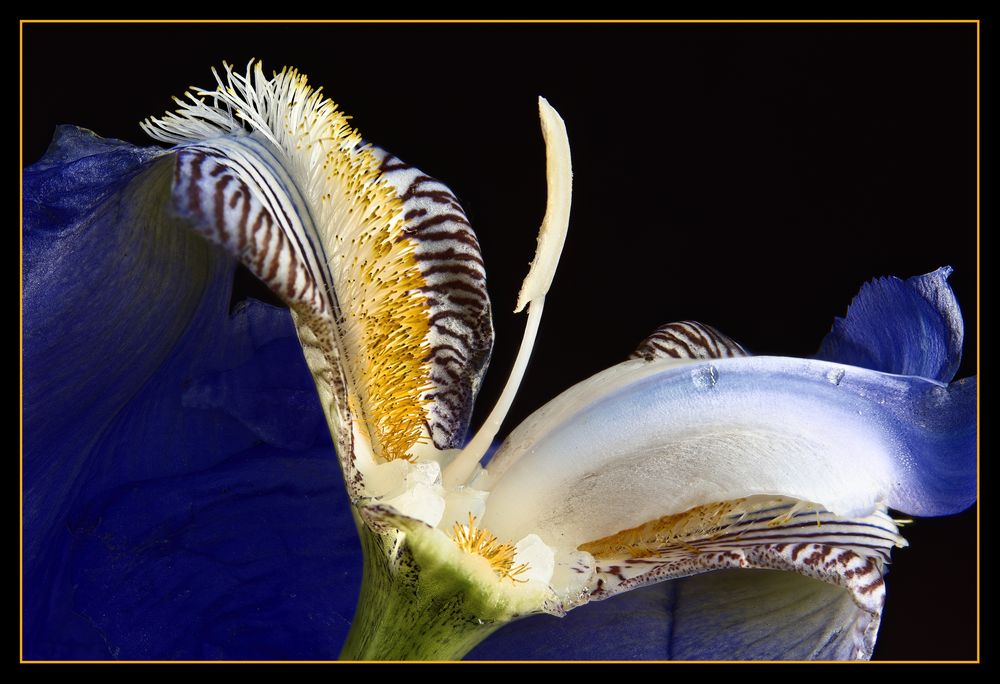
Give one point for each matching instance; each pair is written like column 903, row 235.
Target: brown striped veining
column 687, row 340
column 461, row 329
column 773, row 535
column 215, row 193
column 242, row 221
column 226, row 200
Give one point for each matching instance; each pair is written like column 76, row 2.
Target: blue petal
column 907, row 327
column 166, row 513
column 78, row 172
column 731, row 614
column 635, row 625
column 248, row 559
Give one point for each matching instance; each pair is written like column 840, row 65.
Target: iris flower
column 738, row 481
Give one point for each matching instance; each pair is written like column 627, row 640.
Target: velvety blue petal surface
column 731, row 614
column 635, row 625
column 170, row 510
column 907, row 327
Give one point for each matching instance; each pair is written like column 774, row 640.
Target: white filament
column 551, row 237
column 465, row 463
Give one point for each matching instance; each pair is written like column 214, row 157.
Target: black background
column 751, row 176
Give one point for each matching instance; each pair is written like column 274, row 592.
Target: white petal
column 421, row 502
column 538, row 556
column 648, row 439
column 413, row 489
column 460, row 503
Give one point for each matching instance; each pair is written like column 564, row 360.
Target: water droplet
column 705, row 377
column 835, row 376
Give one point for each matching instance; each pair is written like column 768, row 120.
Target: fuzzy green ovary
column 419, row 605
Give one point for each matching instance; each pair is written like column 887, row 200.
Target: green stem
column 413, row 607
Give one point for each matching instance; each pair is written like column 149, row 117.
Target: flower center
column 482, row 542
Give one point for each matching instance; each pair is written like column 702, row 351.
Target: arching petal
column 906, row 327
column 376, row 260
column 731, row 614
column 648, row 439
